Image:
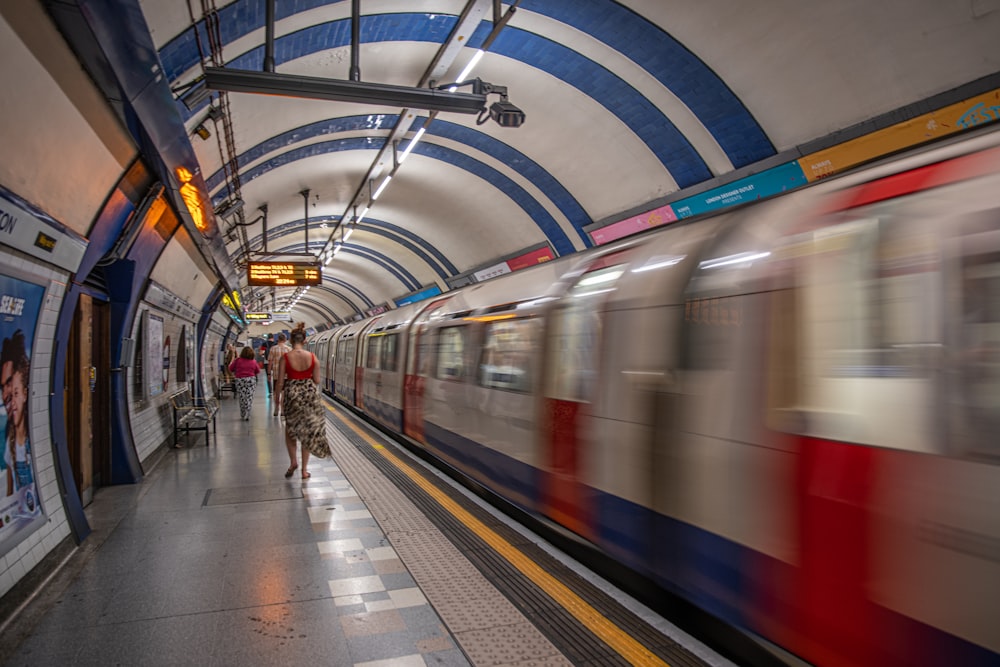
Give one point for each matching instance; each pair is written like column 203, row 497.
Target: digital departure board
column 284, row 274
column 254, row 317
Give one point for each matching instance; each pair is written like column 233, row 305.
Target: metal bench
column 192, row 414
column 225, row 386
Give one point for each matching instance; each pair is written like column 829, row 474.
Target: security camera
column 506, row 114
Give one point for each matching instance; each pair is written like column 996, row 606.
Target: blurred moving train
column 788, row 413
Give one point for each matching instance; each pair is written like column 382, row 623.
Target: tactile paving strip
column 575, row 642
column 486, row 626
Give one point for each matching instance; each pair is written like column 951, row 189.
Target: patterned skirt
column 304, row 416
column 245, row 387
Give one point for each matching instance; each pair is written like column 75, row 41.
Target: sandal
column 291, row 471
column 306, row 475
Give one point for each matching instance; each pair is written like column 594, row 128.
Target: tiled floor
column 219, row 560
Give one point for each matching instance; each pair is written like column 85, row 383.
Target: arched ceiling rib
column 627, row 103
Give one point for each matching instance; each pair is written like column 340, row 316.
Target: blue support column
column 125, row 466
column 211, row 305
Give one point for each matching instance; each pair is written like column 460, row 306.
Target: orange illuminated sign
column 283, row 274
column 192, row 199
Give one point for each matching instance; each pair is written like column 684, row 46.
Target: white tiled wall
column 152, row 419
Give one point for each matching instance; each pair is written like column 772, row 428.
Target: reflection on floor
column 217, row 559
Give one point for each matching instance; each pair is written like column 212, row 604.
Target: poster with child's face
column 20, row 507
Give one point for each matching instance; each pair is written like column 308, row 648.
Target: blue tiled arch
column 695, row 84
column 554, row 191
column 340, row 295
column 673, row 65
column 532, row 208
column 353, row 290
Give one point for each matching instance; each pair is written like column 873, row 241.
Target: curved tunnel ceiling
column 627, row 104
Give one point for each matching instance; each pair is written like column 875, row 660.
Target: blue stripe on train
column 715, row 573
column 512, row 479
column 387, row 414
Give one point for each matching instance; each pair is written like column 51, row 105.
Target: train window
column 346, row 350
column 373, row 358
column 861, row 338
column 712, row 326
column 877, row 278
column 976, row 416
column 451, row 353
column 321, row 351
column 424, row 353
column 389, row 352
column 575, row 335
column 507, row 355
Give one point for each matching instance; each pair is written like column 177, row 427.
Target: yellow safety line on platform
column 611, row 634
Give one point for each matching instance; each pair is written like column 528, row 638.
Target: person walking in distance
column 245, row 368
column 230, row 357
column 280, row 349
column 262, row 362
column 298, row 378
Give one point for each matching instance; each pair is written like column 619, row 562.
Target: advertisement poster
column 154, row 355
column 20, row 507
column 166, row 363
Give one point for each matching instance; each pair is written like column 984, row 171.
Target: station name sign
column 284, row 274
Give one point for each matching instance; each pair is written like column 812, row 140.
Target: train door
column 362, row 362
column 343, row 368
column 87, row 396
column 570, row 386
column 417, row 369
column 975, row 337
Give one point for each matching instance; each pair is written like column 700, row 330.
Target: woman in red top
column 245, row 368
column 298, row 379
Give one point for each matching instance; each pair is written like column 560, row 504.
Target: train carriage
column 785, row 413
column 384, row 365
column 345, row 369
column 320, row 345
column 477, row 363
column 808, row 430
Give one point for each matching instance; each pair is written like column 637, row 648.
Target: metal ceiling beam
column 294, row 85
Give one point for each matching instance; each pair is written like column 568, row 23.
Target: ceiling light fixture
column 413, row 142
column 379, row 190
column 229, row 208
column 468, row 68
column 194, row 95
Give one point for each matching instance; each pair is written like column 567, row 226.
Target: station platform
column 376, row 560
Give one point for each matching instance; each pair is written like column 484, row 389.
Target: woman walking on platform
column 245, row 368
column 298, row 379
